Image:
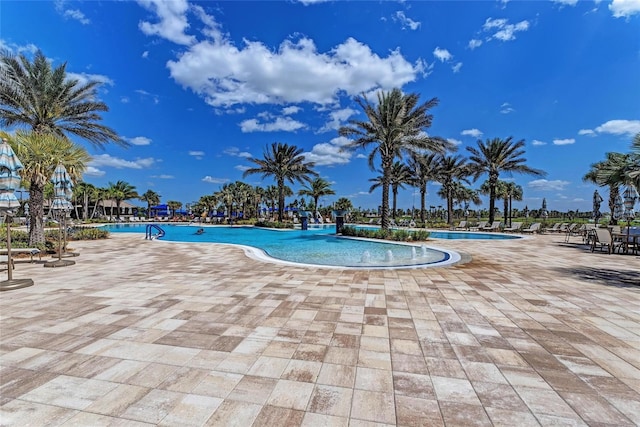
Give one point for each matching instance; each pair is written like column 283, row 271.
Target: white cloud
column 476, row 133
column 118, row 163
column 293, row 109
column 15, row 48
column 124, row 100
column 145, row 54
column 361, row 156
column 242, row 168
column 77, row 15
column 624, row 8
column 197, row 154
column 93, row 171
column 213, row 180
column 545, row 185
column 286, row 124
column 566, row 141
column 454, row 141
column 474, row 43
column 225, row 74
column 620, row 127
column 84, row 78
column 138, row 140
column 587, row 132
column 456, row 68
column 336, row 119
column 330, row 153
column 405, row 21
column 566, row 2
column 146, row 94
column 506, row 108
column 503, row 30
column 536, row 142
column 173, row 20
column 442, row 54
column 235, row 152
column 308, row 2
column 163, row 176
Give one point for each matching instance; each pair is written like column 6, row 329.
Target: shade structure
column 10, row 180
column 63, row 190
column 630, row 196
column 618, row 208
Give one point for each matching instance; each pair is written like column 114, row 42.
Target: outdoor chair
column 554, row 228
column 462, row 226
column 494, row 226
column 533, row 228
column 602, row 238
column 480, row 226
column 515, row 226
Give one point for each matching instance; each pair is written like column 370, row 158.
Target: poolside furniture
column 533, row 228
column 461, row 226
column 515, row 226
column 603, row 238
column 494, row 226
column 480, row 226
column 30, row 251
column 4, row 259
column 554, row 228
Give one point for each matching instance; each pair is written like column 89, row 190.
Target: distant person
column 200, row 231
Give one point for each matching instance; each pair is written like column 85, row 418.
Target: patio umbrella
column 544, row 212
column 618, row 208
column 9, row 182
column 597, row 199
column 63, row 191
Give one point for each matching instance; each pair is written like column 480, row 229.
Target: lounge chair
column 554, row 228
column 495, row 226
column 533, row 228
column 480, row 226
column 515, row 226
column 29, row 251
column 461, row 226
column 602, row 238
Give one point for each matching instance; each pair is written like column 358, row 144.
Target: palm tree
column 208, row 203
column 316, row 189
column 40, row 154
column 82, row 193
column 120, row 191
column 173, row 206
column 151, row 198
column 227, row 196
column 451, row 170
column 513, row 192
column 396, row 125
column 616, row 170
column 46, row 100
column 400, row 175
column 494, row 157
column 99, row 194
column 271, row 196
column 507, row 191
column 284, row 163
column 461, row 194
column 343, row 204
column 424, row 170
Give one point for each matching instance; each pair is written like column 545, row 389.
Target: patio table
column 631, row 240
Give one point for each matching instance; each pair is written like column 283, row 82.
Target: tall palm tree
column 121, row 191
column 208, row 203
column 271, row 196
column 507, row 191
column 462, row 195
column 494, row 157
column 317, row 188
column 451, row 170
column 424, row 170
column 513, row 192
column 151, row 198
column 227, row 196
column 99, row 195
column 400, row 175
column 284, row 163
column 82, row 193
column 616, row 170
column 40, row 154
column 46, row 100
column 343, row 204
column 396, row 125
column 174, row 206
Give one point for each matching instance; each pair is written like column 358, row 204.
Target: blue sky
column 198, row 87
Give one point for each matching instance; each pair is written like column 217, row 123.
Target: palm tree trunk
column 36, row 212
column 613, row 194
column 506, row 208
column 394, row 189
column 85, row 206
column 280, row 199
column 423, row 202
column 493, row 180
column 449, row 206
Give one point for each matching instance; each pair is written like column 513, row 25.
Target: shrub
column 87, row 233
column 379, row 233
column 274, row 224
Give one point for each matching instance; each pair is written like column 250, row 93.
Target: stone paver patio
column 530, row 332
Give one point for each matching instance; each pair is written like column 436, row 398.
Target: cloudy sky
column 197, row 88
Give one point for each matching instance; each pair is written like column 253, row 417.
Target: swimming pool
column 318, row 246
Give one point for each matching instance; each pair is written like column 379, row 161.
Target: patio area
column 530, row 332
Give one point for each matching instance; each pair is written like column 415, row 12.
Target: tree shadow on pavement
column 605, row 276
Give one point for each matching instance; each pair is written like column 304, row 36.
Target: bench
column 30, row 251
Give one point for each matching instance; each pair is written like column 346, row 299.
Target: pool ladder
column 149, row 232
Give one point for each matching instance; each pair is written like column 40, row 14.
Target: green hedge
column 389, row 234
column 274, row 224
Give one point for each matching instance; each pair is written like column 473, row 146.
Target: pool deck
column 530, row 332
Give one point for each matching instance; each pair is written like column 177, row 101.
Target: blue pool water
column 318, row 245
